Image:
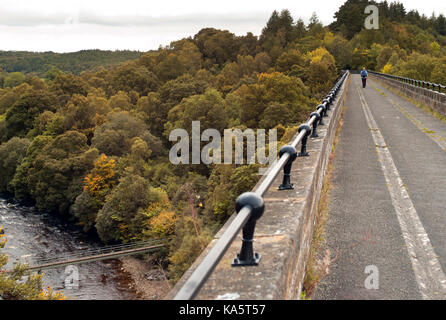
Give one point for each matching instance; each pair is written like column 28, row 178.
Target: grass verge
column 317, row 264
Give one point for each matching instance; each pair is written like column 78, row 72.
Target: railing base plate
column 289, row 187
column 251, row 263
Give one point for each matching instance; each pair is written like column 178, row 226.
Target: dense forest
column 40, row 63
column 94, row 147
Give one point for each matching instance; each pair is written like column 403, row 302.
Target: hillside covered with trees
column 40, row 63
column 94, row 147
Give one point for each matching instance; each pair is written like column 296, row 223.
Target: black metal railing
column 417, row 83
column 250, row 205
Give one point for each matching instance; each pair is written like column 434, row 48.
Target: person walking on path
column 364, row 75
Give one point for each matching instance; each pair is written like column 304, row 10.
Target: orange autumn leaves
column 102, row 177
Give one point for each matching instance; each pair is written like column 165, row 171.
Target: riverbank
column 32, row 236
column 35, row 235
column 149, row 280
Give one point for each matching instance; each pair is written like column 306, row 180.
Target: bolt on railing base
column 287, row 185
column 248, row 263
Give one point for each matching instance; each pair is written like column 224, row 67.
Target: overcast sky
column 72, row 25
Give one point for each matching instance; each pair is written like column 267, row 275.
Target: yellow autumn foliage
column 387, row 68
column 321, row 55
column 163, row 224
column 102, row 176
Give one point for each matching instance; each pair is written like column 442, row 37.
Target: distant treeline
column 74, row 62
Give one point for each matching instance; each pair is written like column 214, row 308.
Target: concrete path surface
column 386, row 234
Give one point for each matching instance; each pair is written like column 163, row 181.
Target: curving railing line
column 250, row 206
column 414, row 82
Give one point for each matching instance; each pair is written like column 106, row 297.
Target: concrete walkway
column 386, row 233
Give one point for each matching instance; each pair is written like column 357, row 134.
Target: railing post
column 321, row 109
column 247, row 257
column 324, row 104
column 327, row 102
column 314, row 131
column 303, row 150
column 286, row 182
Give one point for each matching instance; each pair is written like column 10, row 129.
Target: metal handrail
column 250, row 205
column 414, row 82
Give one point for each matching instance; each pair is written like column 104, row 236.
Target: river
column 32, row 236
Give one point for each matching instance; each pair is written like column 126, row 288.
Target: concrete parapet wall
column 283, row 235
column 435, row 100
